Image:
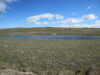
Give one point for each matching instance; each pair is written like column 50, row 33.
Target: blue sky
column 49, row 13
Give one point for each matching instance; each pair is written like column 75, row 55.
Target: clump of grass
column 51, row 56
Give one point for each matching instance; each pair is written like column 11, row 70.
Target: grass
column 50, row 31
column 51, row 57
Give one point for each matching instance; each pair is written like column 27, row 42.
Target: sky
column 49, row 13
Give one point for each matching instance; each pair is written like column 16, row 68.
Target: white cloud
column 94, row 25
column 69, row 20
column 4, row 5
column 41, row 23
column 73, row 20
column 39, row 17
column 89, row 17
column 89, row 7
column 77, row 20
column 91, row 25
column 58, row 19
column 97, row 21
column 44, row 16
column 61, row 26
column 10, row 1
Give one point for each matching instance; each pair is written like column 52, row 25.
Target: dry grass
column 48, row 57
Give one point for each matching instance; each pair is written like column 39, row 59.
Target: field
column 39, row 56
column 49, row 57
column 50, row 31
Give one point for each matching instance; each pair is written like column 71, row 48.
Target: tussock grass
column 49, row 57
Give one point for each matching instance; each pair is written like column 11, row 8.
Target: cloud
column 41, row 23
column 4, row 5
column 39, row 17
column 89, row 7
column 93, row 25
column 89, row 17
column 58, row 19
column 78, row 20
column 68, row 20
column 10, row 1
column 48, row 16
column 73, row 20
column 97, row 21
column 61, row 26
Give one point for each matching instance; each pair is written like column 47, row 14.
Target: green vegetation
column 50, row 31
column 51, row 57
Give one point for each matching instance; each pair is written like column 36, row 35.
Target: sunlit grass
column 41, row 56
column 50, row 31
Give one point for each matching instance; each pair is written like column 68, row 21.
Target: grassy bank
column 50, row 31
column 51, row 57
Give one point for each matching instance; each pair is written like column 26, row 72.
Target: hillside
column 50, row 31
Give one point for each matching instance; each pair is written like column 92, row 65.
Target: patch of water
column 55, row 37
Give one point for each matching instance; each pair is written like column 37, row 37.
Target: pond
column 54, row 37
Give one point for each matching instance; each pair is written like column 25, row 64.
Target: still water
column 54, row 37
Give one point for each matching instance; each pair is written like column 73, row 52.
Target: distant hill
column 50, row 31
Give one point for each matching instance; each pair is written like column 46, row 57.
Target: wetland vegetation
column 50, row 57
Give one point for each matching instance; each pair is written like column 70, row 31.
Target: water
column 54, row 37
